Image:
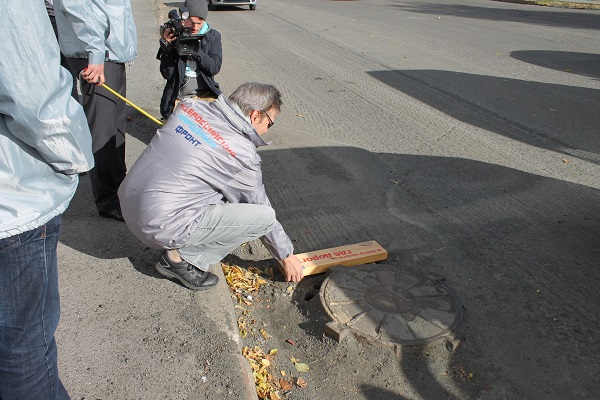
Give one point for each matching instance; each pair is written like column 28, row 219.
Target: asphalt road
column 461, row 135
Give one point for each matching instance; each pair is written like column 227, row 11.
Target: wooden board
column 315, row 262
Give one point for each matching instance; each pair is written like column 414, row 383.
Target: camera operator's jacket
column 172, row 67
column 204, row 154
column 45, row 141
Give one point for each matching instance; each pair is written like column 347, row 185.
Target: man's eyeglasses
column 271, row 123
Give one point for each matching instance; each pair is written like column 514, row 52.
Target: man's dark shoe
column 190, row 276
column 112, row 214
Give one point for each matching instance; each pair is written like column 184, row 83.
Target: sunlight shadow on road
column 530, row 112
column 585, row 64
column 524, row 14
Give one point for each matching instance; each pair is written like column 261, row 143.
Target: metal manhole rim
column 447, row 333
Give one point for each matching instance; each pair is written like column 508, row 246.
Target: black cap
column 197, row 8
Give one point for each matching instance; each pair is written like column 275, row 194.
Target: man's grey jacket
column 204, row 154
column 45, row 141
column 96, row 30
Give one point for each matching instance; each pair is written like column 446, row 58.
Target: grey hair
column 252, row 96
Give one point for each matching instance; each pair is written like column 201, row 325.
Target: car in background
column 213, row 4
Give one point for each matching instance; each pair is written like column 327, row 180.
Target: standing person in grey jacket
column 63, row 61
column 44, row 144
column 197, row 189
column 98, row 37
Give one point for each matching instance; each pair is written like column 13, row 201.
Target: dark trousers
column 106, row 115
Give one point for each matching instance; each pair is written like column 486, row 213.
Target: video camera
column 185, row 43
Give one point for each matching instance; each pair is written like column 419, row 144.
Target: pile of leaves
column 244, row 286
column 243, row 283
column 266, row 387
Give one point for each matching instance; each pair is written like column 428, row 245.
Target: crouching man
column 197, row 191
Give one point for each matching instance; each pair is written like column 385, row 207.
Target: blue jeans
column 224, row 227
column 29, row 313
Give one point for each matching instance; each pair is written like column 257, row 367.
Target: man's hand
column 168, row 35
column 94, row 73
column 291, row 269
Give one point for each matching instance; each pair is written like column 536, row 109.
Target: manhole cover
column 390, row 304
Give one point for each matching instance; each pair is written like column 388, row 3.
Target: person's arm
column 280, row 246
column 94, row 73
column 91, row 26
column 247, row 187
column 168, row 55
column 35, row 92
column 210, row 62
column 291, row 269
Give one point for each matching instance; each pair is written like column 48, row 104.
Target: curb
column 577, row 5
column 217, row 304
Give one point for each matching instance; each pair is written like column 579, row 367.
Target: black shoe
column 190, row 276
column 112, row 214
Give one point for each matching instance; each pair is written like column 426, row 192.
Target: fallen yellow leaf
column 285, row 385
column 301, row 382
column 264, row 334
column 274, row 396
column 301, row 367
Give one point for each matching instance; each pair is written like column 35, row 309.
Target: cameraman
column 190, row 75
